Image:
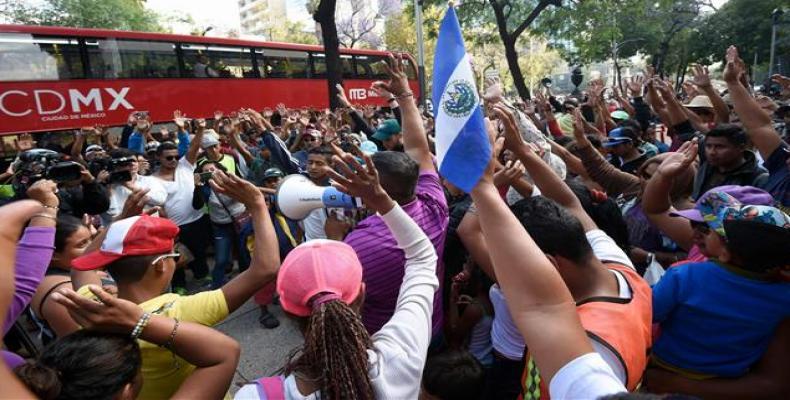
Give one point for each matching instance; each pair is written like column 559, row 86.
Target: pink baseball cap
column 317, row 267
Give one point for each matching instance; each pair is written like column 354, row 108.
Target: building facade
column 258, row 17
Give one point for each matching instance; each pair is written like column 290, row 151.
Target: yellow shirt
column 163, row 371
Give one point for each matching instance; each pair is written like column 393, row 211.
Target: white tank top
column 505, row 337
column 480, row 340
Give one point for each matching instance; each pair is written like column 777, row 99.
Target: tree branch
column 534, row 14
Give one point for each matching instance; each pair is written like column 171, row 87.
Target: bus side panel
column 52, row 106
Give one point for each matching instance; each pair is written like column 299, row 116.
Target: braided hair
column 334, row 353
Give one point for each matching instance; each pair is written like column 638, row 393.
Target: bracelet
column 404, row 95
column 50, row 207
column 172, row 338
column 141, row 324
column 42, row 215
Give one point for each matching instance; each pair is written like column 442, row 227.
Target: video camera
column 111, row 165
column 36, row 164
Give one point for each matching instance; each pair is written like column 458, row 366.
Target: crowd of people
column 595, row 258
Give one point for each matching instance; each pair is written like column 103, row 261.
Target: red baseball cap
column 315, row 267
column 142, row 235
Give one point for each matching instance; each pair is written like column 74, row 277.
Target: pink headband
column 324, row 298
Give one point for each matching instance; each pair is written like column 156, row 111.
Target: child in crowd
column 717, row 317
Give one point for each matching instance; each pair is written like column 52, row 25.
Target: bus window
column 25, row 57
column 369, row 67
column 116, row 58
column 319, row 65
column 201, row 61
column 283, row 64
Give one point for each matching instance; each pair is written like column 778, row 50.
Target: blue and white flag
column 462, row 145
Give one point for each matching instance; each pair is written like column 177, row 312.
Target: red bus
column 54, row 78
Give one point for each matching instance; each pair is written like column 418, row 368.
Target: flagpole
column 420, row 53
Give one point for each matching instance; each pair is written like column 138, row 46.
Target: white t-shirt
column 313, row 225
column 178, row 205
column 396, row 361
column 119, row 193
column 586, row 377
column 505, row 337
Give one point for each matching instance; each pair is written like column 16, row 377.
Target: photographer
column 124, row 178
column 79, row 192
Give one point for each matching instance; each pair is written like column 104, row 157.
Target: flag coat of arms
column 462, row 147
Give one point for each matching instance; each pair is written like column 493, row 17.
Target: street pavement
column 263, row 351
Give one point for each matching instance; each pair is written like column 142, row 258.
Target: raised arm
column 415, row 141
column 539, row 302
column 214, row 354
column 14, row 217
column 194, row 146
column 409, row 329
column 702, row 80
column 265, row 255
column 756, row 122
column 545, row 179
column 76, row 146
column 675, row 111
column 656, row 201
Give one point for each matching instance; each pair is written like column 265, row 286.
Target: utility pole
column 420, row 53
column 774, row 23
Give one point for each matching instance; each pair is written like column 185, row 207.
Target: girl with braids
column 320, row 285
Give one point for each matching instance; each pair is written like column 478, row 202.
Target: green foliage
column 746, row 24
column 107, row 14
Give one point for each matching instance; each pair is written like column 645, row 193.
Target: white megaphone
column 297, row 196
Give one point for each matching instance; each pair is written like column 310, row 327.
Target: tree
column 743, row 23
column 324, row 14
column 108, row 14
column 357, row 24
column 592, row 31
column 512, row 18
column 292, row 32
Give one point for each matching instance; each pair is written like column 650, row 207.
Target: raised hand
column 218, row 115
column 783, row 81
column 513, row 140
column 493, row 93
column 512, row 172
column 690, row 90
column 678, row 162
column 179, row 118
column 635, row 85
column 341, row 96
column 109, row 314
column 24, row 142
column 701, row 76
column 45, row 192
column 238, row 189
column 578, row 124
column 735, row 67
column 360, row 181
column 398, row 83
column 134, row 204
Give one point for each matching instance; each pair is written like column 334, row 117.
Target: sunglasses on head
column 174, row 256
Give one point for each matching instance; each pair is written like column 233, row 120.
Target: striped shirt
column 383, row 262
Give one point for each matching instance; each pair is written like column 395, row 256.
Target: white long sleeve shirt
column 399, row 349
